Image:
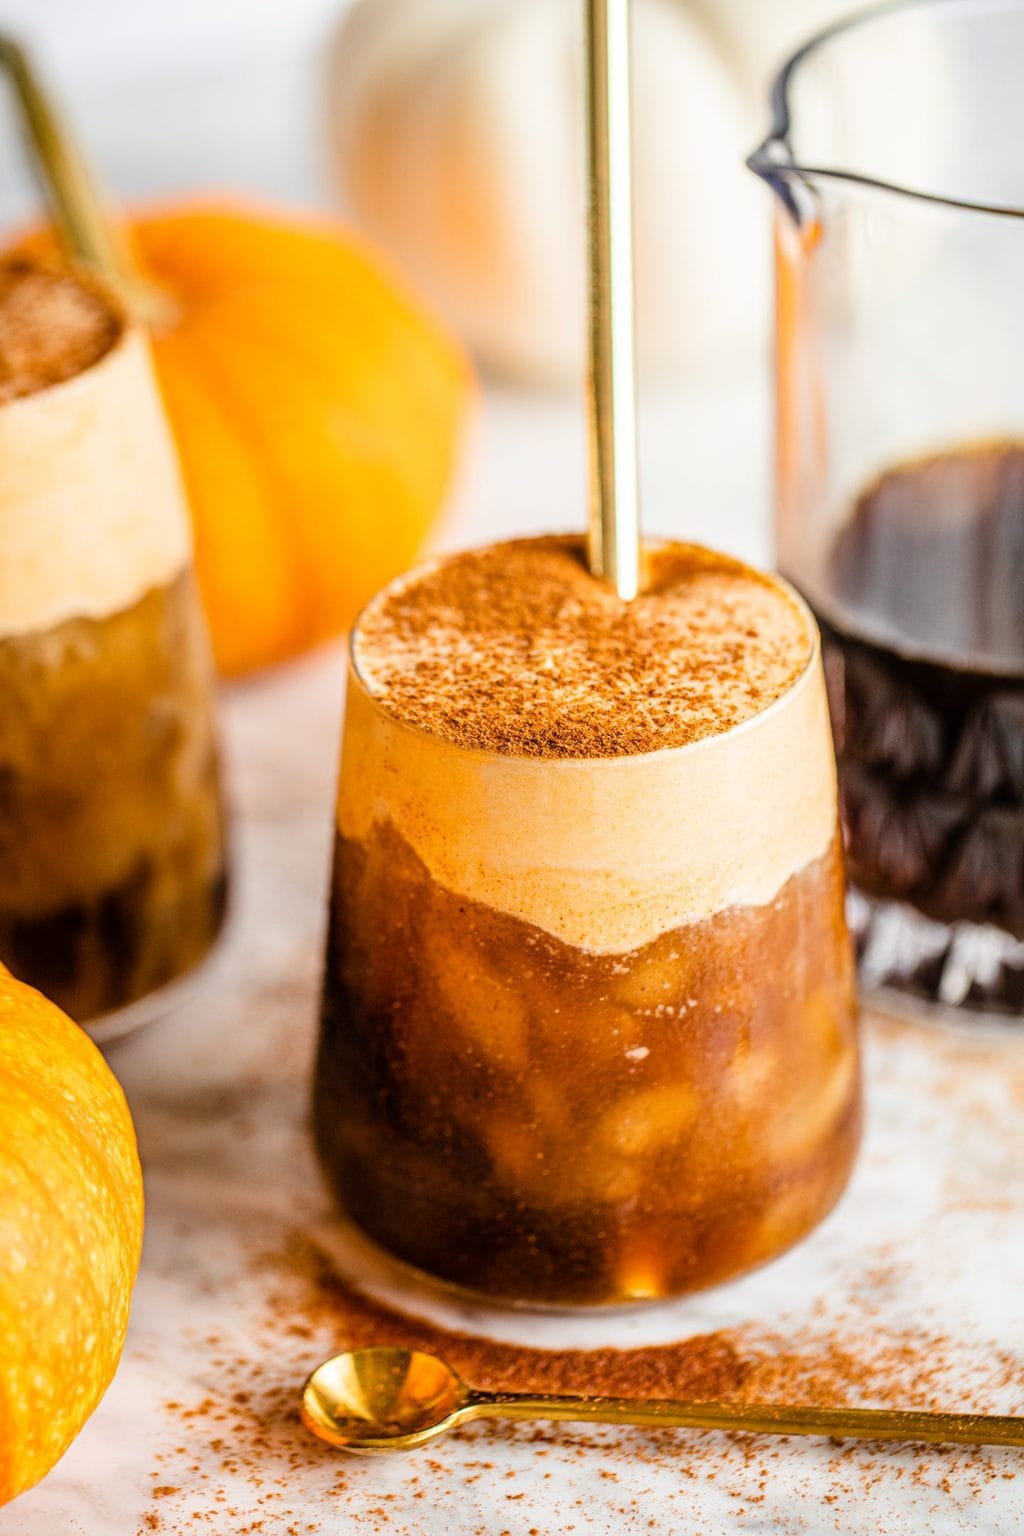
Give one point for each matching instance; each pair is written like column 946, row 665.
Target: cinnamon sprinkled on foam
column 92, row 507
column 517, row 649
column 52, row 327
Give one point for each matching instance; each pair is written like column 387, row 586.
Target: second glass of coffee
column 112, row 829
column 589, row 1029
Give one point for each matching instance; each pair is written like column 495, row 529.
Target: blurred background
column 451, row 132
column 213, row 93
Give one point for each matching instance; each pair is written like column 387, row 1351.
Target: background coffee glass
column 112, row 826
column 589, row 1031
column 899, row 222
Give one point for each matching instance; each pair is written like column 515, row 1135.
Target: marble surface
column 199, row 1431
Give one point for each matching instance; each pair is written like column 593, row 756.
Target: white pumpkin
column 758, row 36
column 458, row 134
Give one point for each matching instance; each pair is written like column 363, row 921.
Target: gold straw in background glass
column 86, row 231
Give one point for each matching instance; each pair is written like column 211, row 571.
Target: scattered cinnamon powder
column 52, row 326
column 736, row 1365
column 706, row 1367
column 517, row 649
column 247, row 1425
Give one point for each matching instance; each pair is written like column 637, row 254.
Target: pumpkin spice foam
column 520, row 727
column 111, row 830
column 83, row 441
column 588, row 1024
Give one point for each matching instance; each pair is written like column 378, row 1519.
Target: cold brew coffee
column 589, row 1028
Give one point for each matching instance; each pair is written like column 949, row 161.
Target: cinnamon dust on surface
column 247, row 1427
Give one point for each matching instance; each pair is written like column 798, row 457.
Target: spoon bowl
column 369, row 1399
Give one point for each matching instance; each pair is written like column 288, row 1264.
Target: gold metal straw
column 86, row 231
column 614, row 541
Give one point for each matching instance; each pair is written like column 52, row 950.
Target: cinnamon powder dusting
column 247, row 1426
column 52, row 326
column 515, row 648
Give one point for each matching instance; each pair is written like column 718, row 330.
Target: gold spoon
column 370, row 1400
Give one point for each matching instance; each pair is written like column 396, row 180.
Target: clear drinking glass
column 589, row 1030
column 899, row 234
column 112, row 831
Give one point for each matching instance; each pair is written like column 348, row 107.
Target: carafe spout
column 773, row 161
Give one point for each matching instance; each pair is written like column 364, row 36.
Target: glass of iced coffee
column 589, row 1028
column 112, row 839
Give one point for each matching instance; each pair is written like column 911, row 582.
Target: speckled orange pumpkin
column 318, row 409
column 70, row 1231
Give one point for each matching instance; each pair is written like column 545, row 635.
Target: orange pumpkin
column 70, row 1231
column 317, row 409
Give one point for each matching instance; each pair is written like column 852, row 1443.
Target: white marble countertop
column 199, row 1431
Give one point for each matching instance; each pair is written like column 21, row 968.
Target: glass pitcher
column 895, row 157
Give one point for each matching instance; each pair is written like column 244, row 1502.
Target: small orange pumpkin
column 70, row 1231
column 317, row 409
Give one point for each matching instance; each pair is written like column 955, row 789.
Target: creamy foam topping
column 516, row 648
column 610, row 850
column 92, row 509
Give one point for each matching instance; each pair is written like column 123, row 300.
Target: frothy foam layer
column 607, row 852
column 516, row 649
column 92, row 509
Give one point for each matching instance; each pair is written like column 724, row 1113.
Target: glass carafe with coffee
column 589, row 1026
column 899, row 245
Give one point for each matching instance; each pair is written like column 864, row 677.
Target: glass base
column 111, row 1027
column 358, row 1257
column 959, row 972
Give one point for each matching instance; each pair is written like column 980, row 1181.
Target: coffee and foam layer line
column 92, row 508
column 604, row 854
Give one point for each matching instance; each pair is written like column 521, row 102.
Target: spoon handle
column 755, row 1418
